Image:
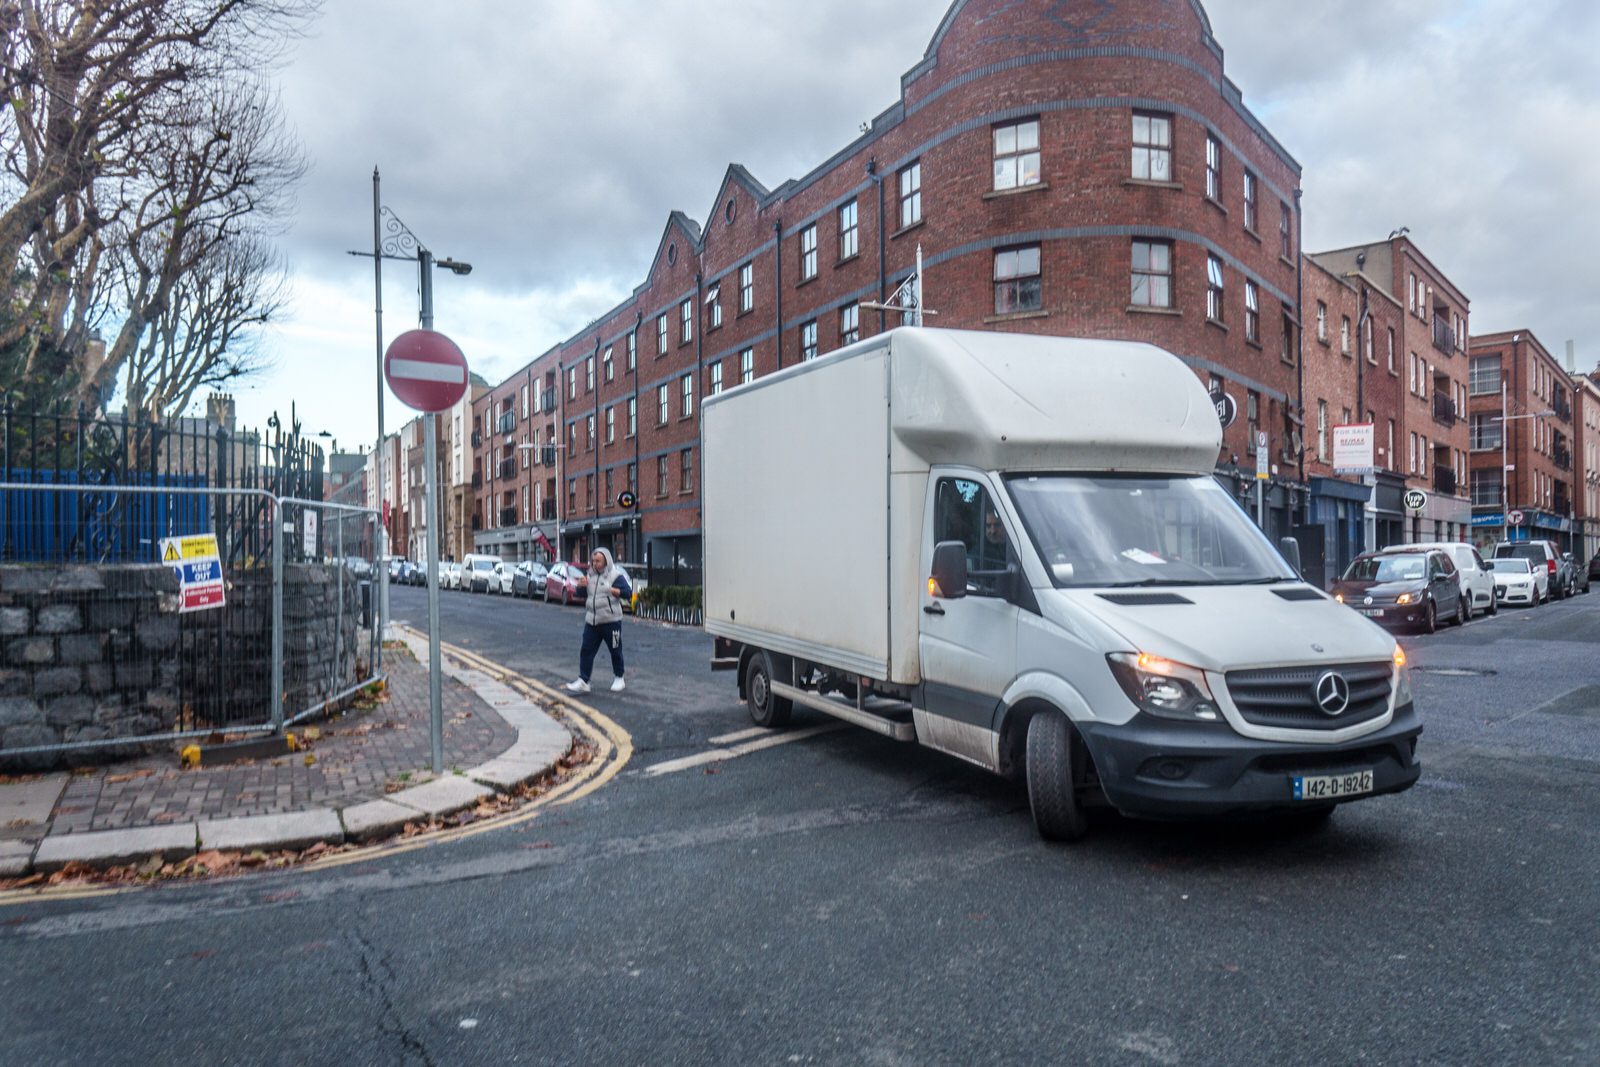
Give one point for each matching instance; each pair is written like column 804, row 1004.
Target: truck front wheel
column 1056, row 765
column 766, row 707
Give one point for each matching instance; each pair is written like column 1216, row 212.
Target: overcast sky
column 546, row 142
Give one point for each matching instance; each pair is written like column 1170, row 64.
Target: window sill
column 1253, row 235
column 803, row 282
column 1286, row 360
column 1218, row 323
column 997, row 194
column 851, row 258
column 713, row 328
column 1145, row 183
column 1253, row 344
column 1013, row 316
column 907, row 229
column 1150, row 309
column 745, row 311
column 1215, row 203
column 1345, row 352
column 1286, row 261
column 1324, row 342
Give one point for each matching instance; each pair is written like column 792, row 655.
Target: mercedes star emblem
column 1333, row 693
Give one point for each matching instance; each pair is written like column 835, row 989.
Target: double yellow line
column 613, row 746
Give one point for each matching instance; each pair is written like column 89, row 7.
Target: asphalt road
column 840, row 898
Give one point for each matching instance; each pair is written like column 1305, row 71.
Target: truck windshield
column 1109, row 530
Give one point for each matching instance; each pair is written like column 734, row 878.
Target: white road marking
column 740, row 735
column 716, row 755
column 423, row 371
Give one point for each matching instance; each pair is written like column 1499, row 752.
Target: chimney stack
column 1572, row 357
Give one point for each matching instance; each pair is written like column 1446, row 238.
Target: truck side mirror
column 1290, row 548
column 949, row 579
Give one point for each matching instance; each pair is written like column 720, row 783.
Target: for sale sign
column 1352, row 448
column 198, row 565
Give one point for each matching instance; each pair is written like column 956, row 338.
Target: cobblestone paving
column 356, row 757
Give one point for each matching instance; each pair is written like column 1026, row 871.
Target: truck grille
column 1286, row 697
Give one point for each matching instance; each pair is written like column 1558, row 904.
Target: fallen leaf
column 310, row 759
column 112, row 779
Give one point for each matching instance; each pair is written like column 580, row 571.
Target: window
column 572, row 383
column 1413, row 455
column 633, row 415
column 1252, row 412
column 633, row 350
column 1391, row 350
column 1214, row 292
column 686, row 396
column 747, row 287
column 686, row 322
column 609, row 494
column 661, row 404
column 572, row 439
column 1152, row 146
column 1016, row 155
column 1152, row 274
column 611, row 425
column 747, row 366
column 661, row 476
column 633, row 476
column 963, row 512
column 808, row 340
column 661, row 335
column 589, row 434
column 849, row 232
column 1250, row 201
column 524, row 401
column 849, row 324
column 1252, row 312
column 911, row 194
column 1411, row 377
column 1016, row 280
column 1366, row 341
column 1322, row 322
column 1344, row 334
column 1388, row 455
column 1285, row 245
column 808, row 252
column 1288, row 352
column 716, row 377
column 713, row 304
column 1322, row 431
column 1411, row 293
column 686, row 471
column 1485, row 375
column 572, row 495
column 588, row 492
column 605, row 365
column 588, row 374
column 1213, row 168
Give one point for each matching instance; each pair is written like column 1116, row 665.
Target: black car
column 1403, row 589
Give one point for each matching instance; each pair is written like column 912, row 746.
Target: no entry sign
column 426, row 370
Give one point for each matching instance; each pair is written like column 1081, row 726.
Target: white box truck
column 1012, row 549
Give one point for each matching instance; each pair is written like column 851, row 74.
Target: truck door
column 968, row 644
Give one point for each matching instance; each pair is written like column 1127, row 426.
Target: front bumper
column 1156, row 769
column 1508, row 595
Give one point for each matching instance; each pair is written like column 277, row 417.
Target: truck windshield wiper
column 1160, row 581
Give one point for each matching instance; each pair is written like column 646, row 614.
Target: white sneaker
column 577, row 686
column 618, row 686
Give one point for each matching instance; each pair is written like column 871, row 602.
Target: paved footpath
column 368, row 775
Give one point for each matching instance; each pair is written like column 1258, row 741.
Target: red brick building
column 1085, row 176
column 1522, row 418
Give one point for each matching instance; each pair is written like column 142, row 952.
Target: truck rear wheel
column 766, row 707
column 1056, row 765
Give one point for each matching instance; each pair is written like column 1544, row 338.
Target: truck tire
column 766, row 707
column 1055, row 766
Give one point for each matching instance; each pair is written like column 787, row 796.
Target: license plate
column 1331, row 786
column 1371, row 613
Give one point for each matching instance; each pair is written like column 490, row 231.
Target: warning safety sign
column 198, row 565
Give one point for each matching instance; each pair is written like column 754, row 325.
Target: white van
column 478, row 573
column 1030, row 566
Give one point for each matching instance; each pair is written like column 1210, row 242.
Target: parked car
column 1541, row 554
column 1580, row 574
column 1518, row 581
column 567, row 583
column 528, row 578
column 397, row 568
column 1477, row 583
column 477, row 572
column 503, row 578
column 450, row 575
column 1594, row 567
column 1396, row 589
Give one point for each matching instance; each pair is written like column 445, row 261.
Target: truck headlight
column 1402, row 685
column 1164, row 688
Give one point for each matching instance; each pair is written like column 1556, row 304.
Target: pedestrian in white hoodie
column 602, row 620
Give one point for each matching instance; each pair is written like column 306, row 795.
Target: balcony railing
column 477, row 439
column 1444, row 338
column 1444, row 481
column 508, row 516
column 507, row 422
column 1562, row 459
column 477, row 480
column 508, row 468
column 1561, row 405
column 1562, row 504
column 477, row 523
column 1444, row 409
column 548, row 404
column 547, row 511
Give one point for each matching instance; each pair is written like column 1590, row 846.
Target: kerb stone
column 110, row 848
column 270, row 833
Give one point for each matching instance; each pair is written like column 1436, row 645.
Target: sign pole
column 430, row 437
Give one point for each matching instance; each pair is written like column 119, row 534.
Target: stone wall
column 95, row 653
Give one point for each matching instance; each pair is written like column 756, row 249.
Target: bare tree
column 97, row 98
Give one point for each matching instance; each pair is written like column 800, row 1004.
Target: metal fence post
column 338, row 630
column 277, row 614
